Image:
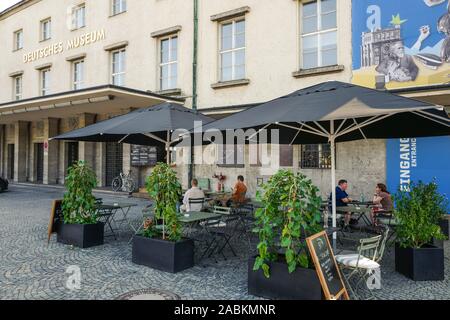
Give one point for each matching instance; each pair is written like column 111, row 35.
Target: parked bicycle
column 123, row 182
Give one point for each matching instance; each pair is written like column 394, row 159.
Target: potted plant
column 80, row 225
column 283, row 268
column 418, row 213
column 161, row 245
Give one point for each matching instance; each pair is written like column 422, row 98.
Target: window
column 286, row 156
column 232, row 50
column 118, row 67
column 318, row 34
column 18, row 83
column 169, row 63
column 315, row 156
column 78, row 74
column 45, row 82
column 119, row 6
column 18, row 40
column 79, row 16
column 46, row 29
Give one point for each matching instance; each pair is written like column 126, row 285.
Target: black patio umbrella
column 335, row 112
column 148, row 126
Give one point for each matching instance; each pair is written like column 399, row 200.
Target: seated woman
column 382, row 200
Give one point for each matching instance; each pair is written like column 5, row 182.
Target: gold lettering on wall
column 57, row 48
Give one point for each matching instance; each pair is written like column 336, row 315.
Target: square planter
column 163, row 255
column 445, row 226
column 81, row 235
column 424, row 264
column 303, row 284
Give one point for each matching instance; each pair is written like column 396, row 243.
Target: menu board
column 326, row 267
column 143, row 156
column 55, row 218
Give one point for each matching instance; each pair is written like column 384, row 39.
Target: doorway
column 39, row 163
column 72, row 153
column 10, row 173
column 114, row 161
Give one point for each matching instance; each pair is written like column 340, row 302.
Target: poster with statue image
column 399, row 44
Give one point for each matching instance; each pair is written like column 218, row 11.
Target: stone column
column 20, row 151
column 100, row 164
column 86, row 150
column 2, row 151
column 51, row 152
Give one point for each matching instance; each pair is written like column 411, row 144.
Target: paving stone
column 31, row 269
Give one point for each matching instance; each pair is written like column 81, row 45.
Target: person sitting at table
column 239, row 192
column 342, row 200
column 382, row 200
column 193, row 193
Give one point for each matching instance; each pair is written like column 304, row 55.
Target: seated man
column 342, row 199
column 239, row 192
column 193, row 193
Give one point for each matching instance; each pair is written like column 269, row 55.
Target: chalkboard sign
column 144, row 156
column 327, row 269
column 55, row 218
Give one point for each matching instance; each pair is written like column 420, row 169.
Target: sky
column 4, row 4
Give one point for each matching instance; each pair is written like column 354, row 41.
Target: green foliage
column 418, row 213
column 164, row 188
column 290, row 213
column 78, row 205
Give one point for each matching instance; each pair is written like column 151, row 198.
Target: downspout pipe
column 194, row 84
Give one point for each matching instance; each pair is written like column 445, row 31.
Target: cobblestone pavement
column 31, row 269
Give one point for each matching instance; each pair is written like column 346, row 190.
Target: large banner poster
column 401, row 43
column 423, row 159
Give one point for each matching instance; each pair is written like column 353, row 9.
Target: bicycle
column 123, row 182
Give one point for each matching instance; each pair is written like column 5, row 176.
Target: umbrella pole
column 168, row 148
column 333, row 181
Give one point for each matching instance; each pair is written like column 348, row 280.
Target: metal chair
column 147, row 212
column 360, row 264
column 196, row 204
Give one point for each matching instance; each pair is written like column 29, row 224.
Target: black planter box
column 424, row 264
column 303, row 284
column 445, row 226
column 163, row 255
column 81, row 235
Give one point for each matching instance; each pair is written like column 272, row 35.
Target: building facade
column 69, row 63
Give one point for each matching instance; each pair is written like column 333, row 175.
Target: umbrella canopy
column 334, row 112
column 148, row 126
column 306, row 116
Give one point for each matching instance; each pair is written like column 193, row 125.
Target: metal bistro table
column 197, row 220
column 108, row 212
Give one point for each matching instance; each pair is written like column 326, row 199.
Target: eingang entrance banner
column 401, row 43
column 423, row 159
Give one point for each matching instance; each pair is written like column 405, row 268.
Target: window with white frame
column 78, row 74
column 168, row 65
column 232, row 50
column 18, row 39
column 318, row 33
column 45, row 82
column 46, row 29
column 118, row 6
column 118, row 67
column 17, row 90
column 79, row 16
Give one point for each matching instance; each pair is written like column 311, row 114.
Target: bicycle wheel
column 117, row 184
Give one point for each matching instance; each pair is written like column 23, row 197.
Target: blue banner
column 423, row 159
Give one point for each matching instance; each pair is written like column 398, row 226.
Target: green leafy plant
column 163, row 187
column 418, row 213
column 290, row 213
column 78, row 205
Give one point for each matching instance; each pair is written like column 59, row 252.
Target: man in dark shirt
column 342, row 199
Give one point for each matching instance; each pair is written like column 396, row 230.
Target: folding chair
column 196, row 204
column 387, row 219
column 360, row 264
column 147, row 212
